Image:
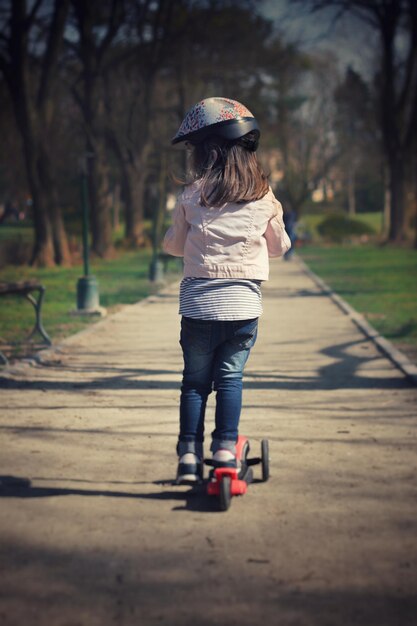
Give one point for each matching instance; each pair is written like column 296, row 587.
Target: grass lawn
column 22, row 230
column 123, row 280
column 378, row 281
column 309, row 222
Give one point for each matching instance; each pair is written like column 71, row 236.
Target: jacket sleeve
column 174, row 240
column 277, row 240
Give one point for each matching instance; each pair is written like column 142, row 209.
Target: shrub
column 339, row 227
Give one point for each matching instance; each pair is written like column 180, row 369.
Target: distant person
column 225, row 224
column 11, row 212
column 290, row 221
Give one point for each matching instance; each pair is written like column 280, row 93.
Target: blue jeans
column 215, row 353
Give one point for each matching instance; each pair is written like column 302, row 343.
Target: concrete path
column 93, row 533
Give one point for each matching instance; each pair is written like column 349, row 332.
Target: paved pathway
column 93, row 533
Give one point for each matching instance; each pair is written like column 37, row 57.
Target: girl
column 225, row 224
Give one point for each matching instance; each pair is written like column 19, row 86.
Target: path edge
column 398, row 358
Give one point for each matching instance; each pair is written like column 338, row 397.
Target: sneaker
column 190, row 469
column 224, row 458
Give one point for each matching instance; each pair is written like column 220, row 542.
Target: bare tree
column 395, row 21
column 303, row 114
column 97, row 24
column 29, row 69
column 129, row 96
column 218, row 49
column 356, row 131
column 13, row 178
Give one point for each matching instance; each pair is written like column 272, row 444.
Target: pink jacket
column 232, row 241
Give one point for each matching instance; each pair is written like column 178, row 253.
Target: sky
column 352, row 42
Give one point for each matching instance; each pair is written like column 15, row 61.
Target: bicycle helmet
column 219, row 116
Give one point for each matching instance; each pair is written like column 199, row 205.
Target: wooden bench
column 26, row 289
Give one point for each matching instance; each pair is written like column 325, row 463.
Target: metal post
column 86, row 220
column 156, row 270
column 87, row 286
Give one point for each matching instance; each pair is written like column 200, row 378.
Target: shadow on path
column 195, row 499
column 153, row 587
column 341, row 373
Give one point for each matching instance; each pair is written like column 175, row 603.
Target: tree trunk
column 100, row 205
column 158, row 219
column 415, row 229
column 396, row 231
column 391, row 130
column 62, row 254
column 116, row 207
column 31, row 103
column 414, row 217
column 411, row 196
column 351, row 193
column 133, row 172
column 386, row 214
column 134, row 186
column 43, row 248
column 60, row 240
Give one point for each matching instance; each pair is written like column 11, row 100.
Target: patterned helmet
column 217, row 116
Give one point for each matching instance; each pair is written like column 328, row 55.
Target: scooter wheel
column 265, row 459
column 225, row 494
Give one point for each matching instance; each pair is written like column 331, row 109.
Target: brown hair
column 228, row 171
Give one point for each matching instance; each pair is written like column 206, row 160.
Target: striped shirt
column 220, row 298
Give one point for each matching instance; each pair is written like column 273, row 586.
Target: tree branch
column 31, row 16
column 407, row 102
column 362, row 9
column 113, row 26
column 55, row 40
column 5, row 70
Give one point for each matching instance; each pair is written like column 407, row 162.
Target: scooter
column 226, row 482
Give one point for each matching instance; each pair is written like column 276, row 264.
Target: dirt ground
column 94, row 533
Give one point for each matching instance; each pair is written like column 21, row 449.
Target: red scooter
column 225, row 482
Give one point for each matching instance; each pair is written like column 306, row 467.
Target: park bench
column 26, row 289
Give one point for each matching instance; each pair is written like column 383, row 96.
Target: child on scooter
column 226, row 224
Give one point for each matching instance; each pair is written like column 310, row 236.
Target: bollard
column 156, row 270
column 87, row 293
column 88, row 301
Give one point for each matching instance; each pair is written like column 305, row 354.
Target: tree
column 13, row 181
column 215, row 52
column 129, row 86
column 97, row 24
column 208, row 49
column 30, row 70
column 302, row 127
column 355, row 131
column 395, row 22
